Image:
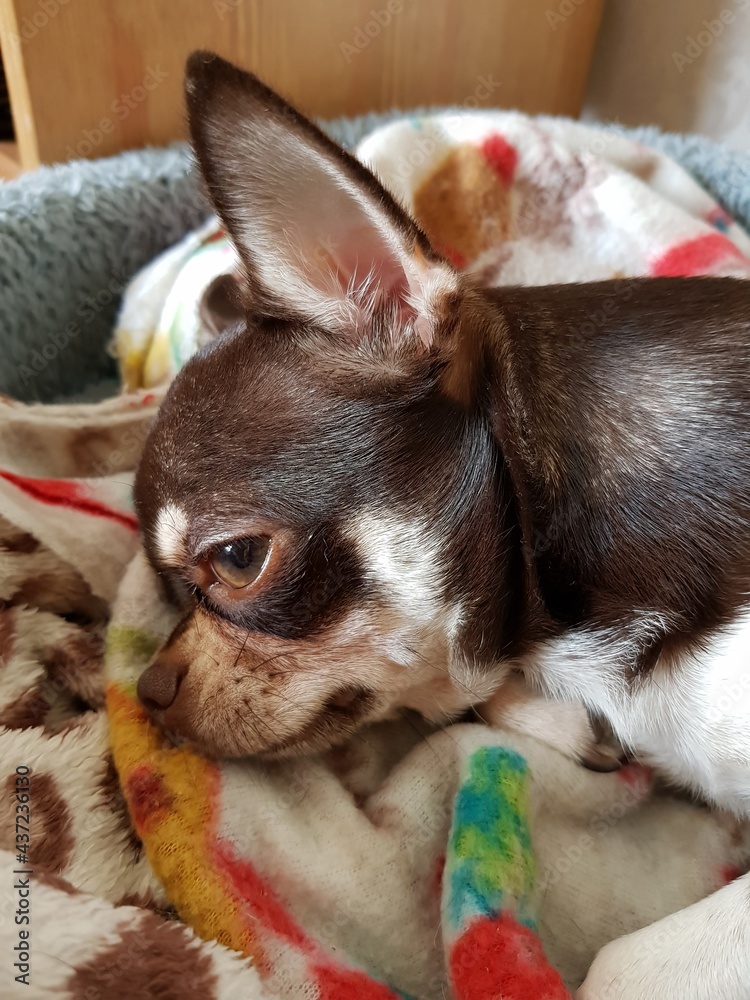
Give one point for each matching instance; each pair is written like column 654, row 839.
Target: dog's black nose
column 158, row 686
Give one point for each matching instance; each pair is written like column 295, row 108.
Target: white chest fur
column 690, row 719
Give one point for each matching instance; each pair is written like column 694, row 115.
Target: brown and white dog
column 385, row 488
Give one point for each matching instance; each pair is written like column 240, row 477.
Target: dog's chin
column 309, row 744
column 333, row 726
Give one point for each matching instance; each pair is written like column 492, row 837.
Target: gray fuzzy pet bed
column 72, row 235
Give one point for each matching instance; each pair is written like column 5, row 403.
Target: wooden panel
column 91, row 77
column 10, row 165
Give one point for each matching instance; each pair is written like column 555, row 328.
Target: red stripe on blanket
column 149, row 798
column 501, row 156
column 457, row 259
column 696, row 256
column 501, row 958
column 260, row 899
column 729, row 873
column 335, row 982
column 220, row 234
column 65, row 493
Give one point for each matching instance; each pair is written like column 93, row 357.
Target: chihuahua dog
column 386, row 488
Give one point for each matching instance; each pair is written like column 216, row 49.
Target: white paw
column 700, row 953
column 566, row 726
column 627, row 970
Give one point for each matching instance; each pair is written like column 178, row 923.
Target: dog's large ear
column 321, row 240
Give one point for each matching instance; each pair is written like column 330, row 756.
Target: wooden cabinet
column 92, row 77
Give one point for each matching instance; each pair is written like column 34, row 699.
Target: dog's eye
column 239, row 563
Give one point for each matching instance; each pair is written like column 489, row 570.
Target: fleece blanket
column 474, row 862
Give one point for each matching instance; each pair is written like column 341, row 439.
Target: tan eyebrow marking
column 170, row 535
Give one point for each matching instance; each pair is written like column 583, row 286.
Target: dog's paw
column 566, row 726
column 697, row 953
column 631, row 968
column 604, row 751
column 625, row 970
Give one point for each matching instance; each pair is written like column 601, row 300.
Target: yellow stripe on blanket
column 172, row 793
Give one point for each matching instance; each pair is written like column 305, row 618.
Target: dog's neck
column 615, row 471
column 555, row 494
column 496, row 546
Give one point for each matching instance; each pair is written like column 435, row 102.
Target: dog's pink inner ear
column 360, row 262
column 318, row 243
column 320, row 238
column 353, row 261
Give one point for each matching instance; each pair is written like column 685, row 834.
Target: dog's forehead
column 248, row 429
column 247, row 383
column 248, row 395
